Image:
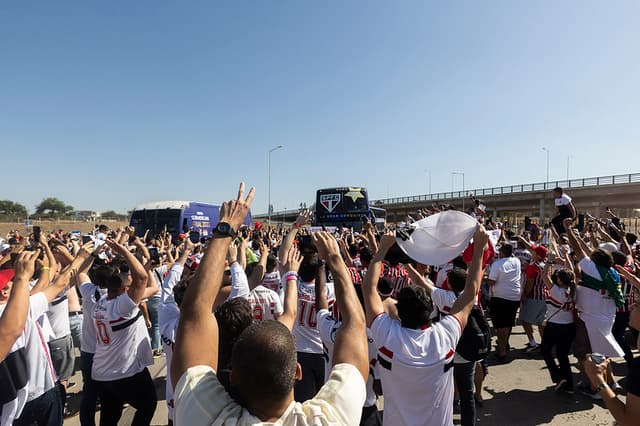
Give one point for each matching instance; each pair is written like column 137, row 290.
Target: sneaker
column 617, row 388
column 564, row 387
column 531, row 348
column 157, row 353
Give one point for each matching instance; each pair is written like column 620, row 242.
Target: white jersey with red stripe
column 265, row 304
column 28, row 364
column 305, row 327
column 416, row 370
column 123, row 348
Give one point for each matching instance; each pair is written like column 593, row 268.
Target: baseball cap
column 6, row 275
column 541, row 251
column 438, row 238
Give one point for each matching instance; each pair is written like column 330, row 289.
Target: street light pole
column 568, row 158
column 547, row 151
column 269, row 205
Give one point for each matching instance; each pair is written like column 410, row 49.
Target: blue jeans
column 45, row 410
column 75, row 324
column 89, row 391
column 463, row 375
column 152, row 305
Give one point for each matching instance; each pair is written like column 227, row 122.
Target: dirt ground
column 54, row 225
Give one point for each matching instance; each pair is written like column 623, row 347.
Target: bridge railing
column 515, row 189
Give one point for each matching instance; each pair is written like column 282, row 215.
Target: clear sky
column 107, row 104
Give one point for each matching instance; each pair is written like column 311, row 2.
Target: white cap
column 440, row 237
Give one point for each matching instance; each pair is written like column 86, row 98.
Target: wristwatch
column 225, row 230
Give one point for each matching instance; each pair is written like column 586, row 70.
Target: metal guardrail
column 515, row 189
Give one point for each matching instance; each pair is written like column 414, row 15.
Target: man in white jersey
column 264, row 364
column 90, row 293
column 123, row 349
column 416, row 356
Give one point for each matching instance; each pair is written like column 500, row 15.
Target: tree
column 110, row 214
column 52, row 207
column 12, row 210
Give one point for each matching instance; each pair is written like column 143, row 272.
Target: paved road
column 518, row 393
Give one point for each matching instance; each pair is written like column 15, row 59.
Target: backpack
column 475, row 342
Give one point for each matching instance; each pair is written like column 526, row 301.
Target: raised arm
column 577, row 246
column 290, row 308
column 463, row 304
column 546, row 276
column 197, row 336
column 629, row 276
column 62, row 280
column 418, row 279
column 303, row 218
column 259, row 270
column 321, row 289
column 351, row 339
column 139, row 277
column 15, row 313
column 372, row 301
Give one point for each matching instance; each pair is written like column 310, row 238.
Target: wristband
column 291, row 276
column 45, row 268
column 602, row 386
column 297, row 225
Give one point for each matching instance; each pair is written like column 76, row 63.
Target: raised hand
column 294, row 259
column 232, row 253
column 235, row 211
column 480, row 238
column 24, row 265
column 325, row 244
column 388, row 240
column 303, row 218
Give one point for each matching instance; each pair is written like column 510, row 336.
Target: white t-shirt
column 443, row 301
column 564, row 200
column 159, row 275
column 265, row 304
column 506, row 272
column 593, row 303
column 416, row 370
column 328, row 327
column 90, row 293
column 559, row 306
column 58, row 315
column 304, row 329
column 170, row 281
column 201, row 400
column 123, row 347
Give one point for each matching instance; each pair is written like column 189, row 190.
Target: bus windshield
column 156, row 220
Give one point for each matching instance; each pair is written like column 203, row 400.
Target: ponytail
column 568, row 279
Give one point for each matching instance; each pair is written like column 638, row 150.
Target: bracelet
column 45, row 268
column 297, row 225
column 602, row 386
column 291, row 276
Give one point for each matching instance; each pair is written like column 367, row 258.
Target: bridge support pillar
column 542, row 205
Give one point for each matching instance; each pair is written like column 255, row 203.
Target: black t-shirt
column 633, row 379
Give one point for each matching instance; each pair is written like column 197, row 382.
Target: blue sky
column 109, row 104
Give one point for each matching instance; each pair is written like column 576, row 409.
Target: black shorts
column 503, row 312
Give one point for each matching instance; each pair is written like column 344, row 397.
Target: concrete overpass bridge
column 512, row 203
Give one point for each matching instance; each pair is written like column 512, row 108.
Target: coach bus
column 178, row 217
column 347, row 207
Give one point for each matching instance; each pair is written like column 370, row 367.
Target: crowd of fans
column 293, row 327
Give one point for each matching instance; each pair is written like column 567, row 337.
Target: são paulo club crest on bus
column 330, row 201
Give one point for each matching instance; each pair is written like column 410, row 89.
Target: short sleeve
column 38, row 305
column 452, row 328
column 381, row 328
column 340, row 399
column 494, row 272
column 443, row 299
column 278, row 302
column 532, row 271
column 200, row 399
column 326, row 325
column 123, row 306
column 86, row 290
